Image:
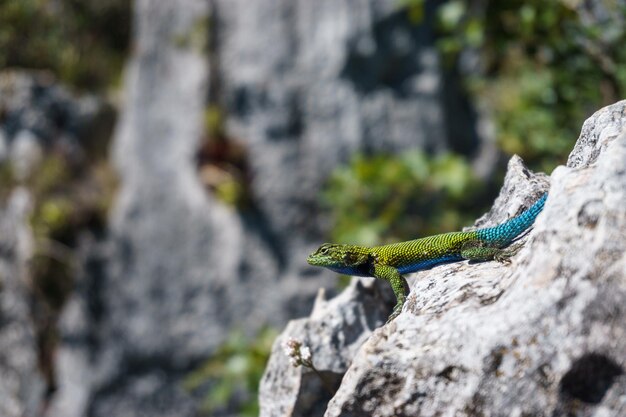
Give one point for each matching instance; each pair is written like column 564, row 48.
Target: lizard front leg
column 398, row 284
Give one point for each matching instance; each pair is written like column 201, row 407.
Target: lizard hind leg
column 481, row 252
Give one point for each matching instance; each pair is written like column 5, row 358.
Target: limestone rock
column 333, row 333
column 543, row 336
column 26, row 154
column 37, row 114
column 180, row 268
column 140, row 316
column 21, row 385
column 307, row 84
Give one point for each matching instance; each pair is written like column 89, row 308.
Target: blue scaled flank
column 504, row 233
column 405, row 269
column 349, row 270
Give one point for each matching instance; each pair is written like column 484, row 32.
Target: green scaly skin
column 389, row 262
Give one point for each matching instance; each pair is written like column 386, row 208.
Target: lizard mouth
column 317, row 260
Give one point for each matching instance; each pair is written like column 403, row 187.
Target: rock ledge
column 543, row 336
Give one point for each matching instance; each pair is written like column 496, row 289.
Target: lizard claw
column 504, row 260
column 391, row 318
column 504, row 256
column 396, row 312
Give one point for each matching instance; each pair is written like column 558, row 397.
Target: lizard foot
column 396, row 312
column 504, row 256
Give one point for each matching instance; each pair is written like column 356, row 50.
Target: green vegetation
column 222, row 161
column 388, row 198
column 83, row 42
column 542, row 68
column 233, row 373
column 545, row 67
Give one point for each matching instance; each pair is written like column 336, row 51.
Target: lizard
column 391, row 261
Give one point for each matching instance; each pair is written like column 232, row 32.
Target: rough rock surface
column 543, row 336
column 38, row 115
column 181, row 268
column 21, row 386
column 141, row 316
column 338, row 78
column 333, row 332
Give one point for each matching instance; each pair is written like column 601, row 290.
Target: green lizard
column 389, row 262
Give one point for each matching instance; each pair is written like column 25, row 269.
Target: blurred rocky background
column 167, row 165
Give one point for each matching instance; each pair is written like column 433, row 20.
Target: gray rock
column 181, row 269
column 38, row 117
column 307, row 84
column 4, row 147
column 142, row 313
column 543, row 336
column 334, row 332
column 26, row 154
column 33, row 104
column 21, row 386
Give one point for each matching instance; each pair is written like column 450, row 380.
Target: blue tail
column 504, row 233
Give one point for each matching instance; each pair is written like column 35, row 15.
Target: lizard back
column 425, row 252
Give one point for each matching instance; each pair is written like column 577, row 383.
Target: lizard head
column 340, row 258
